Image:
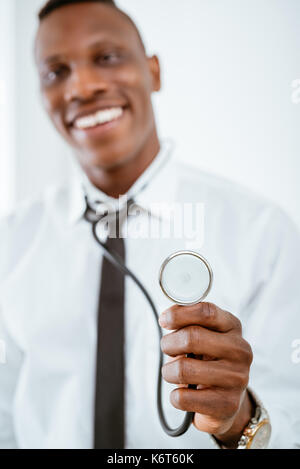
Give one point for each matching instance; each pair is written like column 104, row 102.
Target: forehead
column 75, row 27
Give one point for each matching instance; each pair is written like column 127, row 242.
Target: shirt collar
column 153, row 191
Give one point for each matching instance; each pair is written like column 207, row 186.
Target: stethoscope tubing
column 116, row 260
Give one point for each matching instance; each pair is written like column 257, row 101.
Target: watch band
column 260, row 421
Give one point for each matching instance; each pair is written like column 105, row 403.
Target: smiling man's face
column 96, row 83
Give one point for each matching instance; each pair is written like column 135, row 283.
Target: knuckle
column 242, row 351
column 190, row 337
column 210, row 311
column 249, row 353
column 241, row 380
column 246, row 354
column 237, row 324
column 180, row 370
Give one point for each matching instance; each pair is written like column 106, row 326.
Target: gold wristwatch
column 257, row 433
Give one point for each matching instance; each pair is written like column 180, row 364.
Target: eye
column 108, row 58
column 50, row 76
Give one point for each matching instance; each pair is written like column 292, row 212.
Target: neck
column 117, row 181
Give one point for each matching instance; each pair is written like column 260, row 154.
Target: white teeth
column 100, row 117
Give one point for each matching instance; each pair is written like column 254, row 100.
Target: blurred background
column 229, row 100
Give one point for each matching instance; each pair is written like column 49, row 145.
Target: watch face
column 261, row 437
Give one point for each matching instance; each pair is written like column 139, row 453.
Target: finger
column 199, row 341
column 209, row 373
column 203, row 314
column 217, row 403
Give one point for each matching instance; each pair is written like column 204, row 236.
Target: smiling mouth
column 101, row 117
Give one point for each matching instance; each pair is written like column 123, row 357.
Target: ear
column 154, row 68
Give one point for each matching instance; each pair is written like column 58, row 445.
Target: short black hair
column 52, row 5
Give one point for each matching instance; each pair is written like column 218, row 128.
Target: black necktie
column 109, row 401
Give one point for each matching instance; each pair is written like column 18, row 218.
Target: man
column 96, row 84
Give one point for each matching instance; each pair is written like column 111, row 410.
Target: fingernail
column 162, row 320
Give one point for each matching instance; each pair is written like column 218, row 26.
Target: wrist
column 230, row 438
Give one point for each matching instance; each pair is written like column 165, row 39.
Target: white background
column 228, row 68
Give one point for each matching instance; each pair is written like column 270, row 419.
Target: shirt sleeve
column 10, row 355
column 272, row 328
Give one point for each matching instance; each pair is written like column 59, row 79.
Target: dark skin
column 222, row 404
column 90, row 57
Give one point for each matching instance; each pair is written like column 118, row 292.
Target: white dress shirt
column 50, row 269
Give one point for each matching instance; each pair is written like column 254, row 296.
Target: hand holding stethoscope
column 186, row 278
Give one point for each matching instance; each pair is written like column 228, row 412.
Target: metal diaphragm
column 185, row 277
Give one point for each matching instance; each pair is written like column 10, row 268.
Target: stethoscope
column 185, row 277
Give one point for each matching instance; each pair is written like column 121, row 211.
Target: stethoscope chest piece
column 185, row 277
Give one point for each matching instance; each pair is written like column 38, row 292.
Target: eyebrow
column 57, row 57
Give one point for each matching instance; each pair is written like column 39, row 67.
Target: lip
column 100, row 129
column 70, row 120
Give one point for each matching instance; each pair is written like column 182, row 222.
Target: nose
column 84, row 84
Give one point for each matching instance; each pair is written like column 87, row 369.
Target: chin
column 108, row 158
column 108, row 162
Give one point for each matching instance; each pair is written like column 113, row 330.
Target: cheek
column 139, row 89
column 51, row 102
